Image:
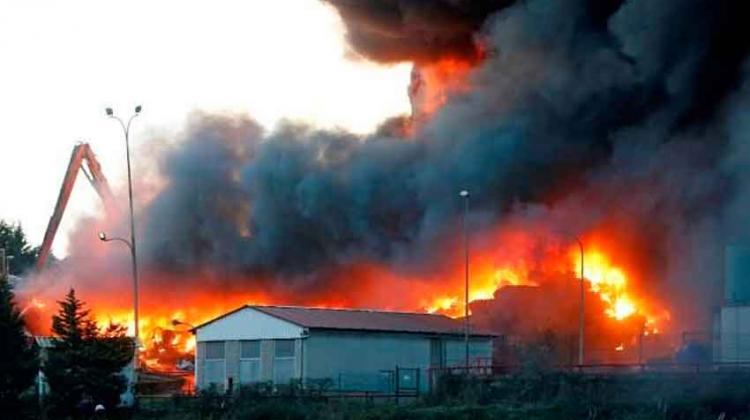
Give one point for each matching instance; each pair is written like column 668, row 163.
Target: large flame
column 168, row 311
column 608, row 281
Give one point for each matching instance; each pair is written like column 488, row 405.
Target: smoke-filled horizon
column 618, row 117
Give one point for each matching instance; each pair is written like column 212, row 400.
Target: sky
column 63, row 63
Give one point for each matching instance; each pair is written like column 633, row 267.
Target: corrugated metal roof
column 368, row 320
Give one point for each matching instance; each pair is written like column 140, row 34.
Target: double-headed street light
column 132, row 242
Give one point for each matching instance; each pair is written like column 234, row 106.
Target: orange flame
column 434, row 83
column 166, row 344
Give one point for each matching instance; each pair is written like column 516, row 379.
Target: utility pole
column 581, row 308
column 131, row 242
column 465, row 195
column 642, row 332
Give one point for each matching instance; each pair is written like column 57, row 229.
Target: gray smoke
column 582, row 114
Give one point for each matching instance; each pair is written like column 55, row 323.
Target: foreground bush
column 539, row 396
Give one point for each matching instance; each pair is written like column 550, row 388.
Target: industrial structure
column 358, row 350
column 82, row 158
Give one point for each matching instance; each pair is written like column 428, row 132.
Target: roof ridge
column 367, row 310
column 307, row 317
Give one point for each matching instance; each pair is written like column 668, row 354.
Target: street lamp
column 104, row 238
column 581, row 312
column 132, row 243
column 581, row 303
column 465, row 195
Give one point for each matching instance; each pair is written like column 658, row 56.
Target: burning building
column 621, row 123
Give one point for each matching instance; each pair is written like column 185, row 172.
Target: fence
column 403, row 385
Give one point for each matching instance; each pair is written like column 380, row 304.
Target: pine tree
column 19, row 364
column 84, row 363
column 13, row 240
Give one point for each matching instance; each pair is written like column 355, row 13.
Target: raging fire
column 168, row 314
column 609, row 282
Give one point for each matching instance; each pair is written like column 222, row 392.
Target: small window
column 215, row 350
column 250, row 349
column 284, row 348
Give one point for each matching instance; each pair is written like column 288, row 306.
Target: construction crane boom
column 93, row 171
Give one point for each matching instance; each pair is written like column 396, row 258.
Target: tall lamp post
column 132, row 243
column 465, row 195
column 581, row 313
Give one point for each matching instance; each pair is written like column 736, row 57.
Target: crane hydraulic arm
column 92, row 169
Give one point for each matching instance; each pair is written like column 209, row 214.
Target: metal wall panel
column 735, row 334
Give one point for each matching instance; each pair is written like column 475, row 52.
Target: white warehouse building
column 353, row 349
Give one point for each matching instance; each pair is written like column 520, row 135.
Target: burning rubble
column 615, row 122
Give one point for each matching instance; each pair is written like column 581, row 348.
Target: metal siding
column 247, row 324
column 735, row 334
column 336, row 355
column 200, row 351
column 298, row 358
column 737, row 274
column 455, row 350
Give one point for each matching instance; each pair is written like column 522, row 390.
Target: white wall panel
column 248, row 324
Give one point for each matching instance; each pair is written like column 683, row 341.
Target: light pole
column 581, row 313
column 132, row 243
column 465, row 195
column 104, row 238
column 134, row 378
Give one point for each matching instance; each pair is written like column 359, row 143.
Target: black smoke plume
column 415, row 30
column 581, row 113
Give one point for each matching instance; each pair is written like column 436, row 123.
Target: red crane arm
column 81, row 152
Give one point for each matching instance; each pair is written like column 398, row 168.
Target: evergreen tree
column 85, row 363
column 19, row 364
column 13, row 240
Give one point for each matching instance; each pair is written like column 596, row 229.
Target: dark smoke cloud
column 582, row 113
column 427, row 30
column 415, row 30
